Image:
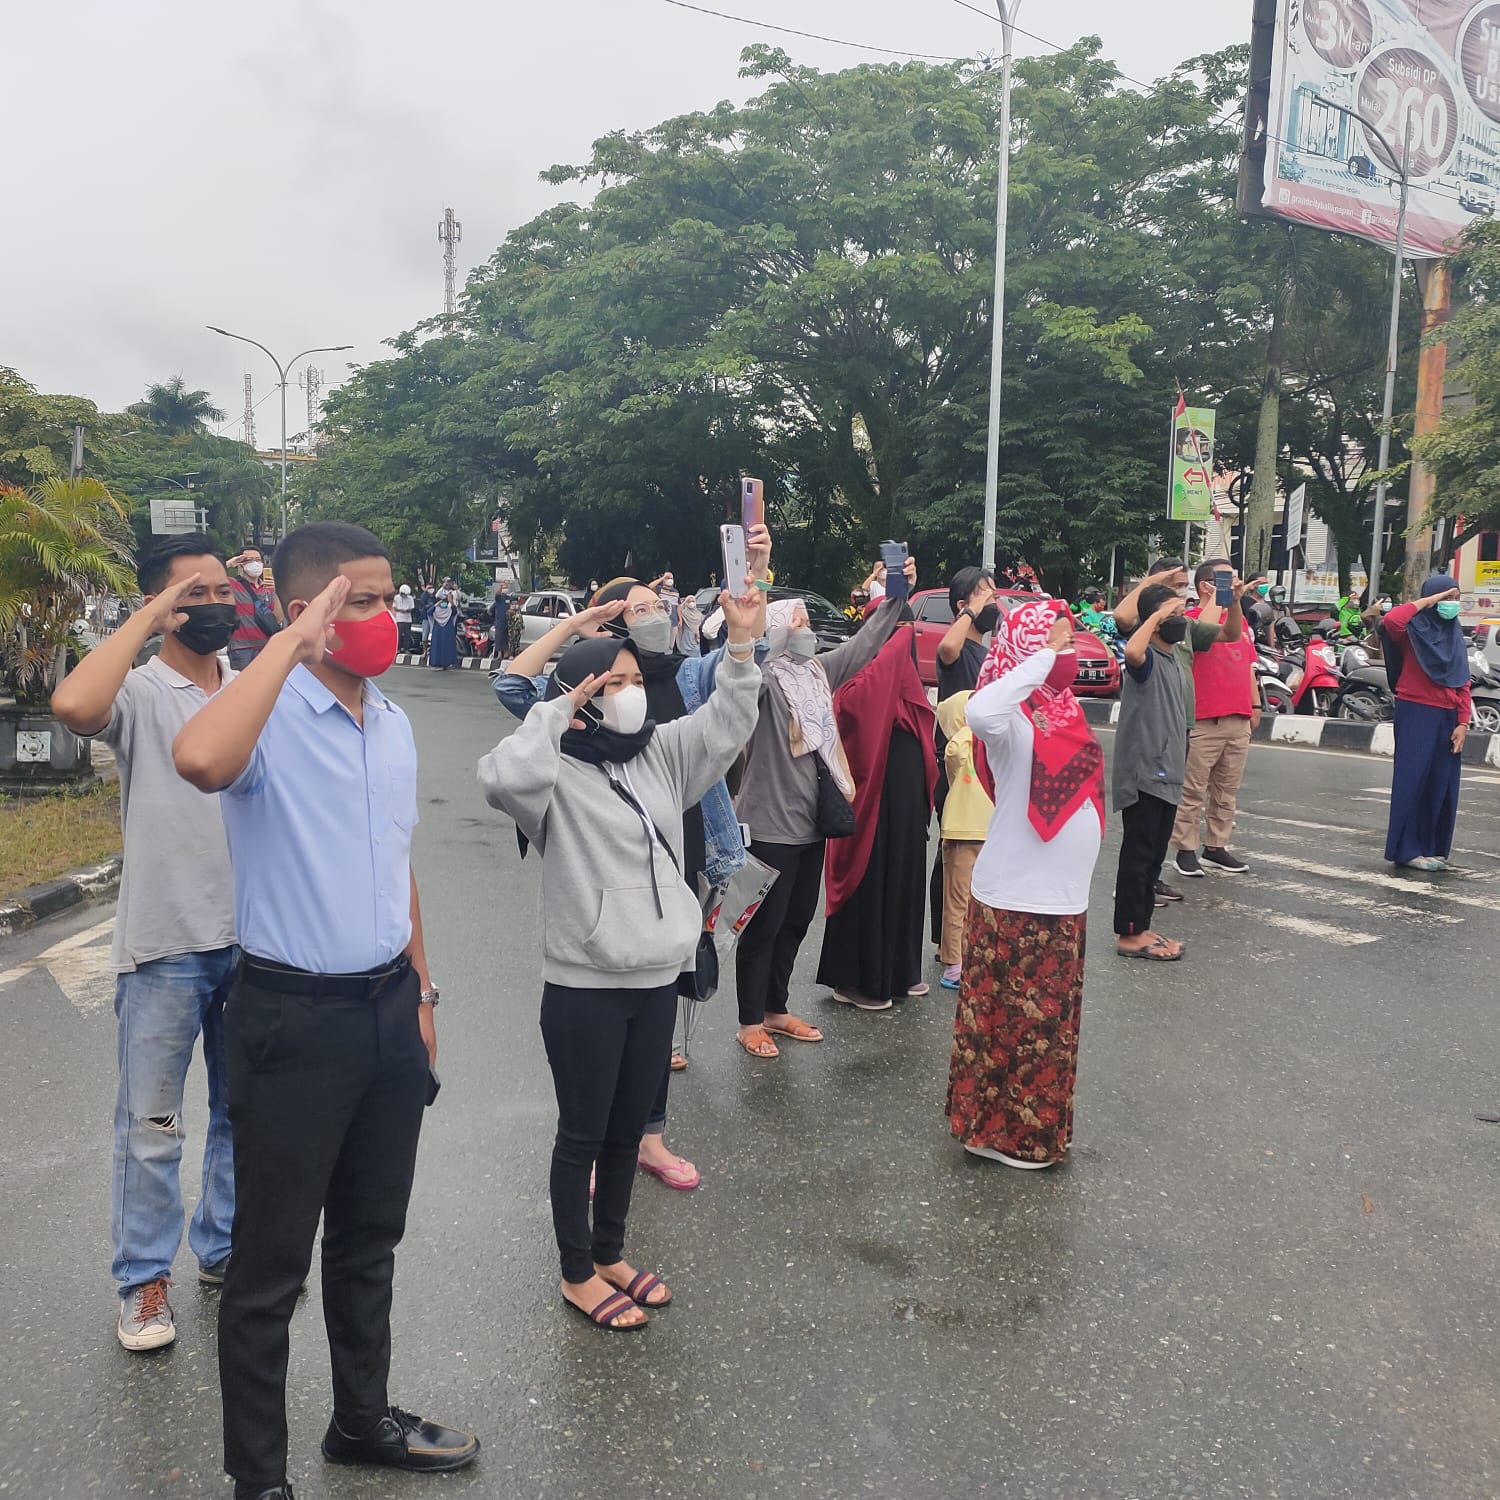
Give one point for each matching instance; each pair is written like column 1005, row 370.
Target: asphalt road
column 1267, row 1272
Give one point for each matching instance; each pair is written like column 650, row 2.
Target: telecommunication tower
column 312, row 381
column 450, row 232
column 249, row 410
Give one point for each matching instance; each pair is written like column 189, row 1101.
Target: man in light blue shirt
column 329, row 1035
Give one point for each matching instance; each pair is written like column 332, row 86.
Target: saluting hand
column 163, row 613
column 1061, row 636
column 314, row 629
column 590, row 687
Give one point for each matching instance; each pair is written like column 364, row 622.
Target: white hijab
column 804, row 686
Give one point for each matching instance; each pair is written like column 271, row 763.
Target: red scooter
column 1320, row 682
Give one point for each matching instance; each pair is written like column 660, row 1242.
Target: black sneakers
column 402, row 1441
column 1165, row 892
column 1222, row 859
column 1187, row 863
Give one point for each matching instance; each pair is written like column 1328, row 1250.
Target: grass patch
column 44, row 837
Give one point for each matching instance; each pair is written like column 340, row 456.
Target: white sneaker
column 1010, row 1161
column 146, row 1320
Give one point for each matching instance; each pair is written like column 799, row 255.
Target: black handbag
column 835, row 812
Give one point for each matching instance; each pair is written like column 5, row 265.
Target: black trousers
column 768, row 946
column 325, row 1105
column 1148, row 832
column 605, row 1048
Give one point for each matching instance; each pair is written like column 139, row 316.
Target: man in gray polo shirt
column 174, row 943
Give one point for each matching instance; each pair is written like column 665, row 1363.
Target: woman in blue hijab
column 1428, row 662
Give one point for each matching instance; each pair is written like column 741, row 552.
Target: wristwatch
column 429, row 996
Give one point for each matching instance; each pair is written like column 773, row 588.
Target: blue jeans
column 162, row 1007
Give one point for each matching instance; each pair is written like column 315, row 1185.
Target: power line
column 814, row 36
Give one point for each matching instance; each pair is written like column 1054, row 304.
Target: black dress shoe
column 402, row 1441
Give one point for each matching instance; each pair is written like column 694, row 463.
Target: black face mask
column 1174, row 630
column 987, row 618
column 207, row 628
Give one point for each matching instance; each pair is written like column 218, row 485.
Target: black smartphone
column 1224, row 587
column 893, row 555
column 434, row 1084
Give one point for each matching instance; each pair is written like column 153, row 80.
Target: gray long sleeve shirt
column 603, row 873
column 779, row 795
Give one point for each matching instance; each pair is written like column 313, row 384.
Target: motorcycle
column 1366, row 694
column 473, row 637
column 1319, row 687
column 1484, row 690
column 1275, row 695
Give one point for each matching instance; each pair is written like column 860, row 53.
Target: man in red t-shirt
column 1227, row 712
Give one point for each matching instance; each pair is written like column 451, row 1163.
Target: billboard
column 1431, row 65
column 1191, row 497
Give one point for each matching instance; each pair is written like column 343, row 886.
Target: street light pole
column 1008, row 10
column 1377, row 543
column 281, row 372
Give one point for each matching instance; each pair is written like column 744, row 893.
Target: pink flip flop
column 684, row 1176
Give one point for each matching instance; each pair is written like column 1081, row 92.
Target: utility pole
column 1008, row 13
column 450, row 232
column 249, row 409
column 1377, row 541
column 1432, row 370
column 281, row 373
column 312, row 383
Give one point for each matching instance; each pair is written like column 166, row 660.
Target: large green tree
column 800, row 288
column 1464, row 451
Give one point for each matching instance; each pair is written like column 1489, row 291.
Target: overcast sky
column 279, row 169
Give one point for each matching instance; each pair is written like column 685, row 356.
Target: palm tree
column 176, row 411
column 60, row 542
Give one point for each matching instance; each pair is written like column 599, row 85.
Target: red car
column 1098, row 668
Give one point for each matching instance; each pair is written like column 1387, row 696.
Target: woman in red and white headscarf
column 1015, row 1039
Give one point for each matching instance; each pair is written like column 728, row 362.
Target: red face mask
column 1064, row 671
column 369, row 646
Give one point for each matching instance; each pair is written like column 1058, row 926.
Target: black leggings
column 1148, row 831
column 768, row 946
column 605, row 1048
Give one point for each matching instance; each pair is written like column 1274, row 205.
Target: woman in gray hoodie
column 600, row 791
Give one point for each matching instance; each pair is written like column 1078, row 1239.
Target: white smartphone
column 736, row 562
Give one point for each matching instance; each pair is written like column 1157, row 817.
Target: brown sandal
column 798, row 1030
column 757, row 1042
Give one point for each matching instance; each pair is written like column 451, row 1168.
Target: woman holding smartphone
column 795, row 736
column 1015, row 1036
column 676, row 686
column 600, row 791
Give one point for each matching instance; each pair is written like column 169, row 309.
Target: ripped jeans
column 162, row 1008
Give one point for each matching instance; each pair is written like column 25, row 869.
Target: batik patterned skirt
column 1015, row 1039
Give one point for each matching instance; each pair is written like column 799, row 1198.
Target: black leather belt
column 267, row 974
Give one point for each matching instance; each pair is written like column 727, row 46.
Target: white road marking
column 1337, row 897
column 1463, row 810
column 1400, row 883
column 1306, row 926
column 79, row 966
column 1362, row 835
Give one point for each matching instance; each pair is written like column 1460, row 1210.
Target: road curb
column 38, row 902
column 464, row 663
column 1321, row 734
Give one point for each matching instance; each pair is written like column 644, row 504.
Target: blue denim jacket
column 724, row 847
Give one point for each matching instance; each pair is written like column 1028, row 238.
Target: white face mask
column 254, row 569
column 624, row 711
column 802, row 643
